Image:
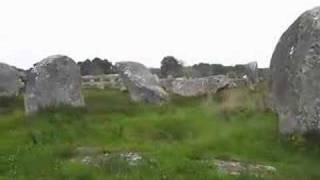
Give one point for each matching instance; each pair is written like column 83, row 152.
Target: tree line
column 170, row 67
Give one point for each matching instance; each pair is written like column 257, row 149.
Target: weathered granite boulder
column 295, row 76
column 197, row 86
column 52, row 82
column 142, row 85
column 9, row 81
column 238, row 83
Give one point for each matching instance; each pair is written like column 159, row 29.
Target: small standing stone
column 252, row 72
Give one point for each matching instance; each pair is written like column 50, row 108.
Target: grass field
column 176, row 138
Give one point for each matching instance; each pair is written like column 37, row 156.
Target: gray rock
column 295, row 76
column 196, row 86
column 238, row 83
column 142, row 85
column 252, row 72
column 9, row 81
column 52, row 82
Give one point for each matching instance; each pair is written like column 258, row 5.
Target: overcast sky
column 226, row 31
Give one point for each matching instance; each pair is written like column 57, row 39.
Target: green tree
column 170, row 66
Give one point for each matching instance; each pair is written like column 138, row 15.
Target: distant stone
column 141, row 84
column 10, row 83
column 52, row 82
column 196, row 86
column 106, row 81
column 238, row 83
column 295, row 76
column 252, row 72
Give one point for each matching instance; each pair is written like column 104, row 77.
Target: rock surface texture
column 99, row 157
column 196, row 86
column 10, row 83
column 236, row 168
column 141, row 84
column 54, row 81
column 295, row 76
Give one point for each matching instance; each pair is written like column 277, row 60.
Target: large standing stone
column 9, row 81
column 196, row 86
column 142, row 85
column 295, row 76
column 52, row 82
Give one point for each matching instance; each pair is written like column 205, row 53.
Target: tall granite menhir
column 54, row 81
column 295, row 76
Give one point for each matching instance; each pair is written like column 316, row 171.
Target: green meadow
column 178, row 140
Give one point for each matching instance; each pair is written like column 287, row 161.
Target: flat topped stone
column 54, row 81
column 196, row 86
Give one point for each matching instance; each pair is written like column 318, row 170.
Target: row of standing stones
column 294, row 87
column 56, row 81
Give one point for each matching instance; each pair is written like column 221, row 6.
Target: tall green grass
column 177, row 138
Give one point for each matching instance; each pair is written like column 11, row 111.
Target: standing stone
column 52, row 82
column 9, row 81
column 142, row 85
column 252, row 72
column 295, row 76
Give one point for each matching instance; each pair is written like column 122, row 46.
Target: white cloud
column 227, row 32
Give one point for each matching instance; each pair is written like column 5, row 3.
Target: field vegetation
column 178, row 140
